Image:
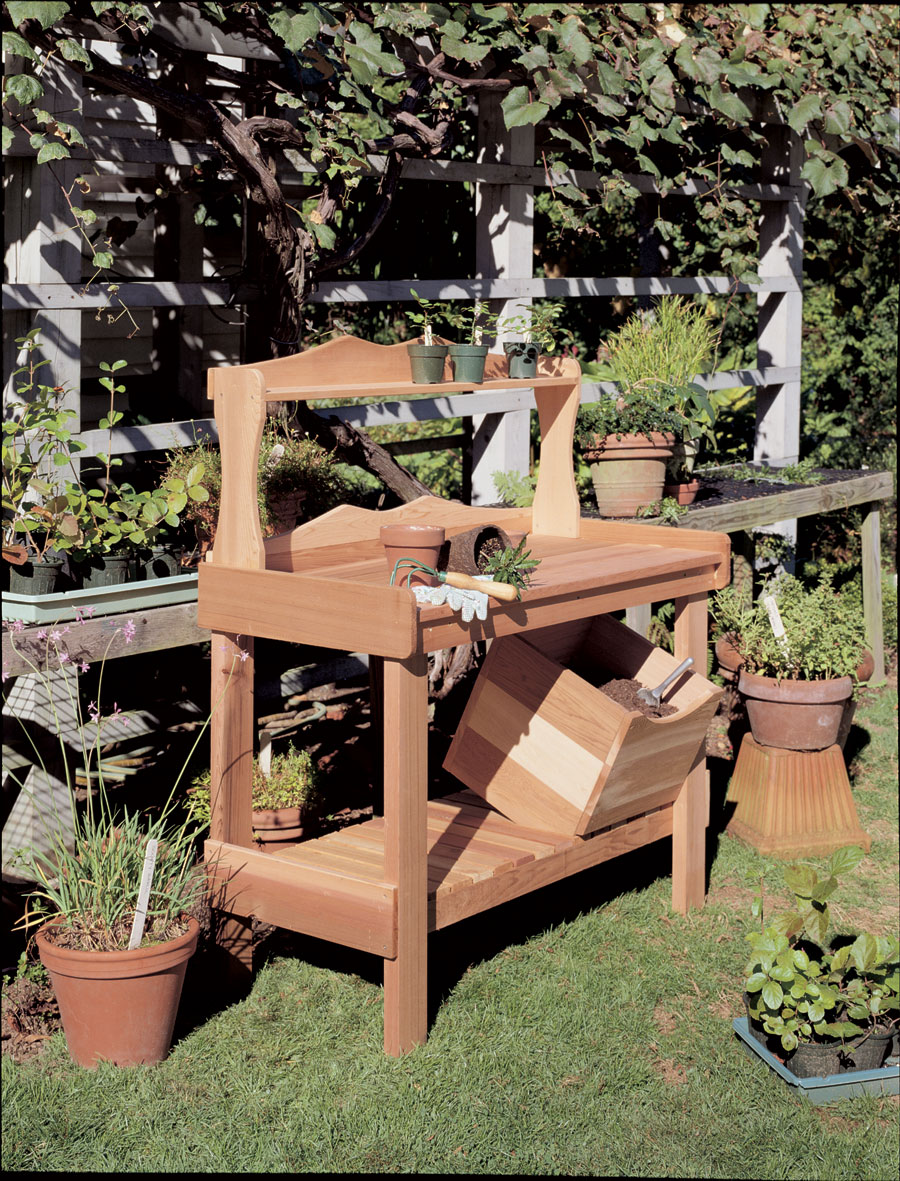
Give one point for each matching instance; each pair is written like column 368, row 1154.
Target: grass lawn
column 584, row 1030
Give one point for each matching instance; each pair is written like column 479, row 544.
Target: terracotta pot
column 728, row 658
column 682, row 493
column 422, row 543
column 118, row 1006
column 795, row 715
column 866, row 666
column 277, row 829
column 628, row 472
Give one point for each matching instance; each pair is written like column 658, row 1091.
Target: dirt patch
column 29, row 1015
column 672, row 1072
column 664, row 1019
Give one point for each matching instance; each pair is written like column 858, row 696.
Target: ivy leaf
column 662, row 94
column 102, row 259
column 809, row 107
column 519, row 110
column 73, row 52
column 572, row 40
column 463, row 51
column 824, row 178
column 7, row 138
column 728, row 103
column 324, row 235
column 47, row 13
column 295, row 31
column 837, row 118
column 24, row 88
column 16, row 45
column 54, row 151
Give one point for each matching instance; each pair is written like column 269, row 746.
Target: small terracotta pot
column 795, row 715
column 118, row 1006
column 277, row 829
column 682, row 493
column 728, row 658
column 422, row 543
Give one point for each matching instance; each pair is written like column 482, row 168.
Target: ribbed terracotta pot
column 422, row 543
column 277, row 829
column 795, row 715
column 118, row 1006
column 628, row 472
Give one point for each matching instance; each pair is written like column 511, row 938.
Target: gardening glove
column 470, row 603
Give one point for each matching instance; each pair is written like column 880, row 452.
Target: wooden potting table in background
column 381, row 886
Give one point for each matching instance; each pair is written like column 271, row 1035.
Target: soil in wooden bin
column 624, row 691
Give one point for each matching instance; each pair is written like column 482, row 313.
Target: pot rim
column 70, row 960
column 789, row 690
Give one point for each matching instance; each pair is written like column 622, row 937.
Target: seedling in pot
column 425, row 318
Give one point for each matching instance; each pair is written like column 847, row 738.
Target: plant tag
column 775, row 620
column 140, row 914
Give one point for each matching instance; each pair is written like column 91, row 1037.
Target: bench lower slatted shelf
column 476, row 859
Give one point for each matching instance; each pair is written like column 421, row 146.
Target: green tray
column 828, row 1088
column 105, row 600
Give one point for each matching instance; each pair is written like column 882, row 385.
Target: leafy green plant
column 668, row 510
column 536, row 323
column 802, row 990
column 805, row 471
column 292, row 782
column 514, row 565
column 429, row 310
column 515, row 488
column 91, row 862
column 634, row 413
column 472, row 321
column 824, row 629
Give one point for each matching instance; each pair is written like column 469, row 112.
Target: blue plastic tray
column 884, row 1081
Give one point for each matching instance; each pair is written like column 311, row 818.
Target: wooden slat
column 301, row 897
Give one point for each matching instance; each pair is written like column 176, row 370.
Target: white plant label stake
column 777, row 625
column 140, row 915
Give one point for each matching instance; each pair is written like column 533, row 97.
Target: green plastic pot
column 467, row 362
column 162, row 561
column 426, row 362
column 523, row 358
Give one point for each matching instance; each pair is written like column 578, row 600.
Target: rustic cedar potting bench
column 382, row 885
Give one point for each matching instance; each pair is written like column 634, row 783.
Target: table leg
column 691, row 809
column 405, row 714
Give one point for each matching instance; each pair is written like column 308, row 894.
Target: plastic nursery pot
column 523, row 358
column 118, row 1006
column 106, row 570
column 421, row 543
column 467, row 362
column 162, row 561
column 35, row 577
column 795, row 715
column 426, row 362
column 628, row 472
column 820, row 1059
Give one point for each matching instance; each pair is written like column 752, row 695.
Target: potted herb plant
column 426, row 355
column 115, row 891
column 536, row 325
column 286, row 800
column 467, row 355
column 824, row 1005
column 796, row 686
column 627, row 442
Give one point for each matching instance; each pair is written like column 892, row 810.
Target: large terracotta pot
column 628, row 472
column 795, row 715
column 118, row 1006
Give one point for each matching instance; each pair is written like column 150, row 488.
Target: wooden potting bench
column 382, row 885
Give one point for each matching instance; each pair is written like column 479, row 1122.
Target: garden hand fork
column 652, row 696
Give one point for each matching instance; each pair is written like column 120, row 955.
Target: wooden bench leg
column 690, row 815
column 405, row 852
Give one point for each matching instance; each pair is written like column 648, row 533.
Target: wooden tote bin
column 547, row 749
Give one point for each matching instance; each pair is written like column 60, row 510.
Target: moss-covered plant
column 824, row 629
column 634, row 413
column 801, row 989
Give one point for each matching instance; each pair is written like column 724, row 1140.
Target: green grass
column 583, row 1031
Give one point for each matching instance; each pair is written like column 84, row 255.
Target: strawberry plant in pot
column 115, row 887
column 627, row 441
column 797, row 687
column 823, row 1005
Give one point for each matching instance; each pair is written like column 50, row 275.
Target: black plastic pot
column 523, row 358
column 37, row 576
column 162, row 561
column 107, row 570
column 820, row 1059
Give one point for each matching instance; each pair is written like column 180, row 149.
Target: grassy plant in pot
column 426, row 355
column 467, row 355
column 536, row 325
column 627, row 442
column 115, row 889
column 824, row 1006
column 286, row 800
column 796, row 685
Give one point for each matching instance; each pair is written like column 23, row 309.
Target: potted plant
column 824, row 1005
column 287, row 801
column 513, row 564
column 426, row 355
column 468, row 354
column 295, row 474
column 115, row 891
column 659, row 354
column 796, row 686
column 627, row 441
column 536, row 324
